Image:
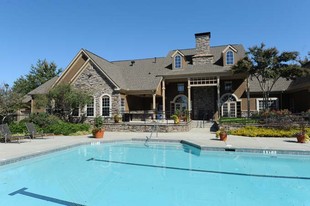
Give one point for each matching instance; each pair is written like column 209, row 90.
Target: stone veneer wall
column 202, row 59
column 203, row 101
column 94, row 82
column 202, row 44
column 148, row 127
column 202, row 55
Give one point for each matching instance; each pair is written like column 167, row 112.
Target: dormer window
column 177, row 62
column 229, row 58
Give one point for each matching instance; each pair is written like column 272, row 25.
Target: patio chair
column 7, row 135
column 32, row 130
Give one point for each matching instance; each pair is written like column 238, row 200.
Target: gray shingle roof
column 44, row 88
column 209, row 69
column 145, row 74
column 300, row 83
column 281, row 85
column 142, row 74
column 111, row 70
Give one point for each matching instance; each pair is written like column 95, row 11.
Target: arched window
column 229, row 57
column 179, row 104
column 177, row 62
column 105, row 105
column 228, row 105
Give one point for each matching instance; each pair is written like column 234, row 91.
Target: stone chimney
column 203, row 55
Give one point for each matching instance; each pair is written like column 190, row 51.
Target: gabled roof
column 177, row 52
column 112, row 71
column 44, row 88
column 230, row 47
column 144, row 74
column 206, row 69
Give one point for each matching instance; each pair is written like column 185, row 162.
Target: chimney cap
column 203, row 34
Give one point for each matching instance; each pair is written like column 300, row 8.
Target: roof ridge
column 96, row 55
column 138, row 59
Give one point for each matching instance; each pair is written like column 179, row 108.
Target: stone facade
column 147, row 127
column 95, row 83
column 203, row 55
column 203, row 99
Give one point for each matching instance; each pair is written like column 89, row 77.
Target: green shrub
column 65, row 128
column 18, row 127
column 252, row 131
column 43, row 119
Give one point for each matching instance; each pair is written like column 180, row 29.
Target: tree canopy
column 38, row 75
column 63, row 100
column 10, row 102
column 267, row 66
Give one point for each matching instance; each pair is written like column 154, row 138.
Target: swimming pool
column 131, row 173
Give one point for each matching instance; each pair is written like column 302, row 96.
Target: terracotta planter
column 223, row 136
column 99, row 134
column 301, row 138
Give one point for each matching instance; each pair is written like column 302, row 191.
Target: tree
column 305, row 61
column 267, row 65
column 38, row 75
column 10, row 102
column 63, row 100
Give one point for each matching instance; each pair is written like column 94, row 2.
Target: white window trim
column 271, row 98
column 85, row 108
column 110, row 104
column 229, row 108
column 222, row 103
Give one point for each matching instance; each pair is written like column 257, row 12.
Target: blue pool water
column 129, row 173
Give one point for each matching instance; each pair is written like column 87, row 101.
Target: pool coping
column 186, row 142
column 41, row 153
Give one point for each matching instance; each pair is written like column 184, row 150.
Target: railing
column 154, row 129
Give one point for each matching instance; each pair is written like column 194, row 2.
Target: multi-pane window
column 90, row 109
column 272, row 103
column 177, row 62
column 106, row 106
column 229, row 105
column 229, row 57
column 122, row 105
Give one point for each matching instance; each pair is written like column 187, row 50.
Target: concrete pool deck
column 11, row 152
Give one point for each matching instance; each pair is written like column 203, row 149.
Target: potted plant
column 222, row 134
column 117, row 118
column 98, row 131
column 175, row 119
column 302, row 136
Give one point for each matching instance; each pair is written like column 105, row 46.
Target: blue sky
column 120, row 29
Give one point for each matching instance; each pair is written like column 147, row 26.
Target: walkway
column 199, row 136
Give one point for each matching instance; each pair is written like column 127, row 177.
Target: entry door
column 229, row 109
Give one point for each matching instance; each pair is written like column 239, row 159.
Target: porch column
column 189, row 97
column 218, row 97
column 164, row 99
column 154, row 106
